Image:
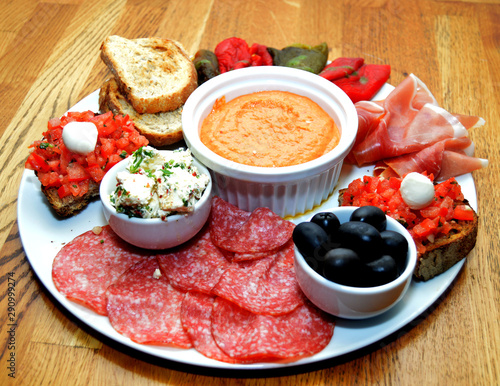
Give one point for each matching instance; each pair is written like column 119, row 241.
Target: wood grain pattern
column 49, row 59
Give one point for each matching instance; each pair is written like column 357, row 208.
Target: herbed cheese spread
column 269, row 129
column 157, row 184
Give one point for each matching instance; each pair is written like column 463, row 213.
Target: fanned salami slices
column 264, row 286
column 196, row 316
column 247, row 336
column 262, row 231
column 231, row 292
column 85, row 267
column 196, row 266
column 143, row 306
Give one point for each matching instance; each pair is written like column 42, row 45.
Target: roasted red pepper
column 234, row 53
column 366, row 82
column 341, row 67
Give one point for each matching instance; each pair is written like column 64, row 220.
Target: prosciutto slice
column 408, row 131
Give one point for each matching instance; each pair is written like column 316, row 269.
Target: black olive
column 328, row 221
column 309, row 238
column 382, row 270
column 343, row 266
column 395, row 245
column 371, row 215
column 362, row 238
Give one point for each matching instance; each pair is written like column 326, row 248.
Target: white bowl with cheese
column 286, row 190
column 167, row 231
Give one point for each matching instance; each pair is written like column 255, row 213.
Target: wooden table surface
column 49, row 59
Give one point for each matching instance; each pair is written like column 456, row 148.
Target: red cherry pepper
column 260, row 55
column 341, row 67
column 234, row 53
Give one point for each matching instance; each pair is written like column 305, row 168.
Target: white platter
column 43, row 234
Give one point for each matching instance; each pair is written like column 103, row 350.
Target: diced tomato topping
column 49, row 179
column 37, row 162
column 425, row 228
column 113, row 160
column 463, row 212
column 430, row 212
column 96, row 172
column 70, row 172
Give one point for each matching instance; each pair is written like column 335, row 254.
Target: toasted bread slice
column 160, row 129
column 445, row 251
column 70, row 205
column 156, row 75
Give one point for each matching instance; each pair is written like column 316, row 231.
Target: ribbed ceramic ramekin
column 286, row 190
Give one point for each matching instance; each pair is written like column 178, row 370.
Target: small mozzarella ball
column 80, row 137
column 417, row 190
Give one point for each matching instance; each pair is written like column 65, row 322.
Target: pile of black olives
column 357, row 253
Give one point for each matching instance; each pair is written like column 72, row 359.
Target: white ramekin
column 154, row 233
column 286, row 190
column 355, row 302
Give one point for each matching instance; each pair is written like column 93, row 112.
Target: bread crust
column 155, row 74
column 161, row 129
column 445, row 251
column 70, row 205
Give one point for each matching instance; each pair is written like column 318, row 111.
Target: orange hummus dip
column 269, row 129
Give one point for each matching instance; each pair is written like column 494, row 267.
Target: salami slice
column 252, row 256
column 143, row 306
column 196, row 317
column 264, row 286
column 247, row 336
column 85, row 267
column 197, row 266
column 263, row 231
column 225, row 220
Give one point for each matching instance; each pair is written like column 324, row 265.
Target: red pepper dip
column 269, row 129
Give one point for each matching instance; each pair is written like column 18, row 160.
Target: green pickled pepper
column 301, row 56
column 206, row 64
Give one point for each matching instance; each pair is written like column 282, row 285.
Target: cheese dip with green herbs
column 157, row 184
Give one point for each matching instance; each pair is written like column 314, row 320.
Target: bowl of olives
column 352, row 262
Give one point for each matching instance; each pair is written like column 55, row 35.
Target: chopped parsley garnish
column 45, row 145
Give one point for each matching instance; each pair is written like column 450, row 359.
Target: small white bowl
column 355, row 302
column 288, row 190
column 154, row 233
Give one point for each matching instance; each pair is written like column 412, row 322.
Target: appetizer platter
column 44, row 234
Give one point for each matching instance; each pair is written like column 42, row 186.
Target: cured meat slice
column 196, row 317
column 196, row 266
column 252, row 256
column 225, row 220
column 444, row 159
column 84, row 268
column 264, row 286
column 247, row 336
column 263, row 231
column 144, row 307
